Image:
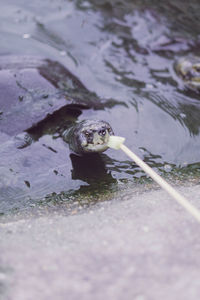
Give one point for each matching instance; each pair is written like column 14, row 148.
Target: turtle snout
column 90, row 138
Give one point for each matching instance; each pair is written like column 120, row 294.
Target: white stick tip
column 115, row 141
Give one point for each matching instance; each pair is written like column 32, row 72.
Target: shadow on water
column 123, row 52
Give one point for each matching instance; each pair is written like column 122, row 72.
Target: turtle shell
column 31, row 88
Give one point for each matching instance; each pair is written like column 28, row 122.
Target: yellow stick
column 166, row 186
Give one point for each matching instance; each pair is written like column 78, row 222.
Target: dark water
column 124, row 50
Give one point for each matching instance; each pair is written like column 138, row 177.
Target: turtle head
column 188, row 68
column 89, row 136
column 94, row 136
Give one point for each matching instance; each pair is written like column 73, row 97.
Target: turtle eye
column 87, row 133
column 102, row 132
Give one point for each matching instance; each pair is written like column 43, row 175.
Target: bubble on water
column 167, row 168
column 63, row 53
column 26, row 36
column 182, row 115
column 149, row 86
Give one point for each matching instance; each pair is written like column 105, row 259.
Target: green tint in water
column 123, row 50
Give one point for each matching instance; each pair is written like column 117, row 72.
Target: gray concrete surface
column 144, row 247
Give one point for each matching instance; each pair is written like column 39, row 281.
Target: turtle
column 188, row 69
column 34, row 90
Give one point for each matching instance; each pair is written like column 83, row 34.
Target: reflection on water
column 121, row 50
column 90, row 168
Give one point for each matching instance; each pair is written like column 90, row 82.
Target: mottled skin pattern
column 188, row 69
column 88, row 136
